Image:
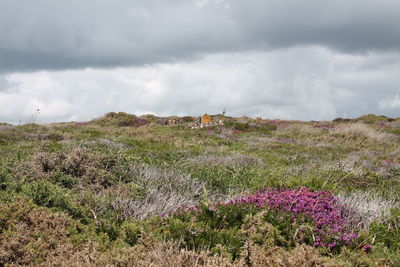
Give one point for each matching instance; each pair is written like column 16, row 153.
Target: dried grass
column 362, row 162
column 167, row 190
column 366, row 207
column 170, row 254
column 161, row 254
column 98, row 142
column 358, row 162
column 361, row 129
column 303, row 255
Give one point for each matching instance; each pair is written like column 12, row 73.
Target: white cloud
column 307, row 83
column 390, row 103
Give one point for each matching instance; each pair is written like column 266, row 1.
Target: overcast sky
column 306, row 60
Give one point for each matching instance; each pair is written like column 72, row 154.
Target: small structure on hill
column 204, row 122
column 205, row 119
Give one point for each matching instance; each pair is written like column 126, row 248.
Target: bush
column 267, row 128
column 30, row 235
column 121, row 119
column 45, row 194
column 187, row 119
column 3, row 178
column 237, row 126
column 341, row 120
column 273, row 217
column 224, row 228
column 76, row 169
column 130, row 232
column 241, row 126
column 388, row 233
column 198, row 235
column 372, row 118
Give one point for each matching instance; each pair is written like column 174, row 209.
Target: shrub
column 299, row 216
column 237, row 126
column 187, row 119
column 4, row 177
column 227, row 228
column 30, row 235
column 387, row 233
column 240, row 126
column 372, row 118
column 121, row 119
column 341, row 120
column 199, row 235
column 266, row 128
column 45, row 194
column 130, row 232
column 79, row 168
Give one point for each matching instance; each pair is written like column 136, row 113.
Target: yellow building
column 205, row 118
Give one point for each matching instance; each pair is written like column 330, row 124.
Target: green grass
column 94, row 172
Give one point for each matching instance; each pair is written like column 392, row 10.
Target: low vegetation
column 147, row 191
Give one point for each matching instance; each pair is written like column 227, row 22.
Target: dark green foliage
column 266, row 128
column 64, row 180
column 187, row 119
column 198, row 235
column 230, row 226
column 388, row 233
column 4, row 178
column 372, row 118
column 130, row 232
column 46, row 194
column 394, row 131
column 341, row 120
column 240, row 126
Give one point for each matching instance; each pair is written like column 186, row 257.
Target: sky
column 287, row 59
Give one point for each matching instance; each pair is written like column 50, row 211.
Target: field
column 134, row 191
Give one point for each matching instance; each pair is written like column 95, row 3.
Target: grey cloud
column 77, row 34
column 275, row 84
column 4, row 85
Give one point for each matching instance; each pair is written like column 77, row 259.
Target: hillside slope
column 127, row 190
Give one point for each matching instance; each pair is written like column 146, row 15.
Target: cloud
column 306, row 83
column 390, row 103
column 58, row 35
column 4, row 84
column 75, row 60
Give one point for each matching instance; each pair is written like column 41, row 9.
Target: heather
column 145, row 190
column 330, row 227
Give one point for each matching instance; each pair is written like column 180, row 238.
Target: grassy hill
column 127, row 190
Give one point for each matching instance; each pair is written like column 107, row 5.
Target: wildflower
column 320, row 208
column 333, row 244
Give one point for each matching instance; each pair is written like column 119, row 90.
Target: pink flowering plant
column 317, row 208
column 297, row 215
